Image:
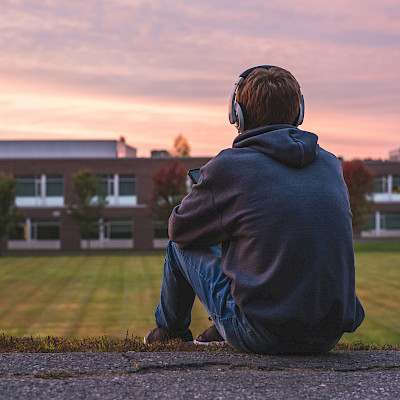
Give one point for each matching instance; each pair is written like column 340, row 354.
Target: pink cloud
column 168, row 54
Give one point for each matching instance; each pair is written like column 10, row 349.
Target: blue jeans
column 188, row 273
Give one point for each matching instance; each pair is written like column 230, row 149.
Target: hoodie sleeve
column 197, row 221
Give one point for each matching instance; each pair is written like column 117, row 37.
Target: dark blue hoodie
column 279, row 205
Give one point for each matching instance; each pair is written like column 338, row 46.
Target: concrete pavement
column 202, row 375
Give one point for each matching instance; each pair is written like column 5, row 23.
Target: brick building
column 385, row 220
column 43, row 172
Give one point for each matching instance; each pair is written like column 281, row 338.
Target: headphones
column 235, row 111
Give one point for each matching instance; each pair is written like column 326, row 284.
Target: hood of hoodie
column 284, row 143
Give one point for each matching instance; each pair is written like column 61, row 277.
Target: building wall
column 394, row 155
column 385, row 218
column 136, row 210
column 381, row 223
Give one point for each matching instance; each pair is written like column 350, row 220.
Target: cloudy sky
column 149, row 70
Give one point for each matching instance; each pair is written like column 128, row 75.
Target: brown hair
column 269, row 96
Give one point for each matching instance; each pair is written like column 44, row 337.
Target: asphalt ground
column 200, row 375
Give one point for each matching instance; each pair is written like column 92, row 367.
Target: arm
column 197, row 221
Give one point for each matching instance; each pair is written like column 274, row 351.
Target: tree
column 88, row 211
column 359, row 181
column 181, row 147
column 169, row 188
column 9, row 214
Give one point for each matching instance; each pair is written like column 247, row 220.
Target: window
column 380, row 184
column 396, row 184
column 127, row 185
column 390, row 221
column 54, row 185
column 107, row 184
column 29, row 186
column 45, row 229
column 39, row 191
column 118, row 229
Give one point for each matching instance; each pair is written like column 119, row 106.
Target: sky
column 150, row 70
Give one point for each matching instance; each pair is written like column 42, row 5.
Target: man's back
column 280, row 205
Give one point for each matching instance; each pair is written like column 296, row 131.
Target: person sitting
column 264, row 239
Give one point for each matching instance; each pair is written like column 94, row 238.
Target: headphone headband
column 235, row 111
column 247, row 72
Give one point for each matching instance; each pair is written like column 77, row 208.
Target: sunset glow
column 148, row 70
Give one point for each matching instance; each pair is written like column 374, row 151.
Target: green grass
column 378, row 288
column 52, row 344
column 77, row 296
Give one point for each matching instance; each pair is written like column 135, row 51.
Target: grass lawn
column 378, row 288
column 79, row 295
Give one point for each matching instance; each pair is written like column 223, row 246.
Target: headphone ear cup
column 301, row 112
column 239, row 118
